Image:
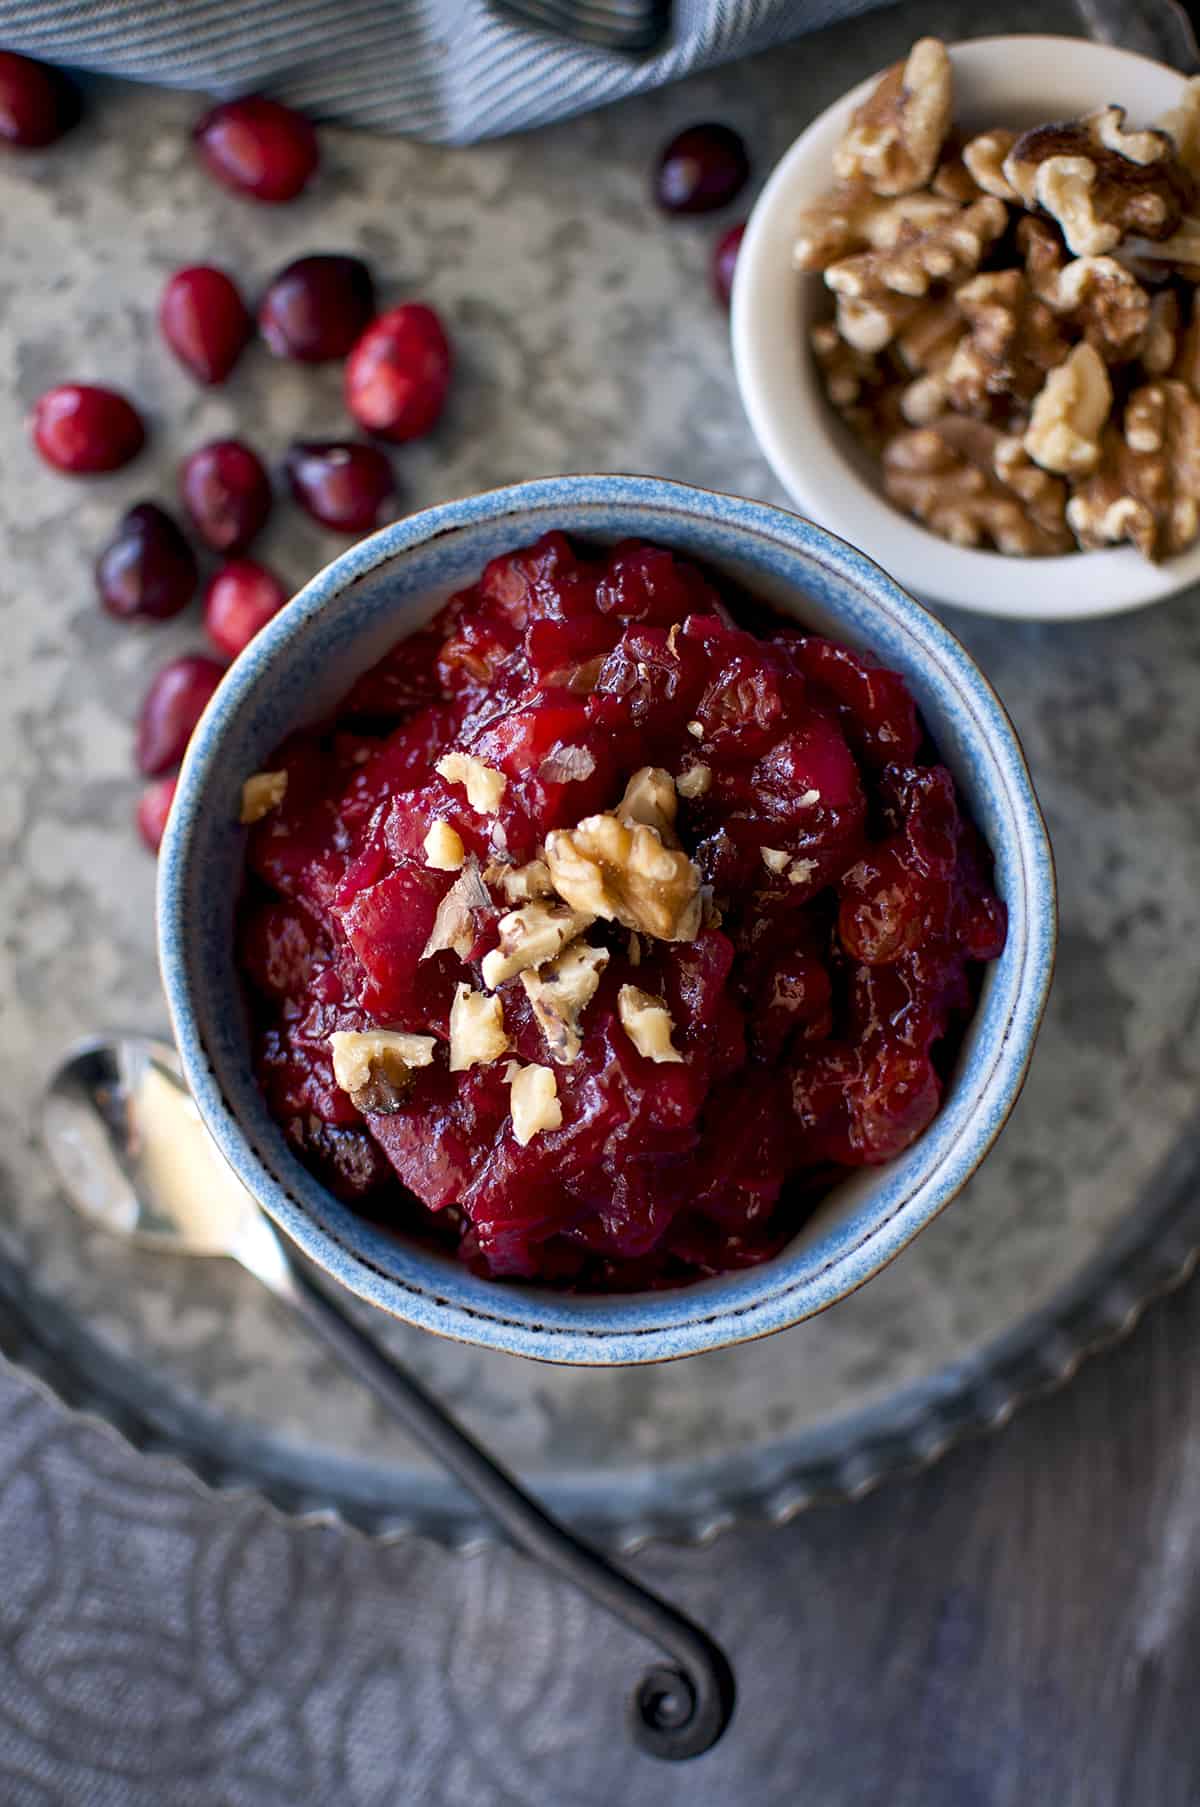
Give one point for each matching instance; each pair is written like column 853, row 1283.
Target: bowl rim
column 832, row 488
column 597, row 1329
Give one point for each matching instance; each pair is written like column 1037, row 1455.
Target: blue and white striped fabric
column 447, row 70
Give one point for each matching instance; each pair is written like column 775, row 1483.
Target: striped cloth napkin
column 447, row 70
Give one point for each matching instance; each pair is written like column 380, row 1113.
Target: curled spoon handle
column 680, row 1707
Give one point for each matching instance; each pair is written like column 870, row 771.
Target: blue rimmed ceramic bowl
column 306, row 659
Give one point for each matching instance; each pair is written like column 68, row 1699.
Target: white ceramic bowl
column 1018, row 81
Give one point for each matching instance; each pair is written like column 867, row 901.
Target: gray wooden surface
column 1018, row 1627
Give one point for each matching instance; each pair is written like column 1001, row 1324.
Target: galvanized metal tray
column 565, row 323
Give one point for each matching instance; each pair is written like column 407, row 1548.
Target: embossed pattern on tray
column 563, row 321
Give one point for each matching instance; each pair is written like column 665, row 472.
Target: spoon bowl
column 133, row 1155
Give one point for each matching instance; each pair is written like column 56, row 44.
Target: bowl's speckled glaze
column 339, row 624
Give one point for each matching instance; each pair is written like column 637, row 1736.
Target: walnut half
column 1069, row 414
column 1147, row 487
column 1099, row 181
column 895, row 137
column 622, row 872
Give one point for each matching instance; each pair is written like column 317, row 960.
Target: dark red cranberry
column 702, row 168
column 154, row 806
column 315, row 309
column 172, row 706
column 398, row 373
column 147, row 571
column 241, row 598
column 82, row 430
column 258, row 147
column 37, row 104
column 227, row 493
column 205, row 322
column 341, row 484
column 724, row 262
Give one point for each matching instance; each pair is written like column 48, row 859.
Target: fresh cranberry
column 205, row 321
column 258, row 147
column 241, row 598
column 154, row 806
column 147, row 570
column 702, row 168
column 227, row 493
column 340, row 484
column 82, row 429
column 398, row 374
column 316, row 308
column 37, row 104
column 171, row 708
column 724, row 262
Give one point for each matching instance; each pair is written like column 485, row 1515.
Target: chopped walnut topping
column 567, row 765
column 984, row 159
column 695, row 782
column 647, row 1022
column 454, row 927
column 696, row 730
column 377, row 1067
column 530, row 936
column 533, row 1100
column 484, row 786
column 521, row 883
column 635, row 943
column 801, row 871
column 261, row 794
column 477, row 1033
column 650, row 798
column 894, row 139
column 1099, row 181
column 1069, row 414
column 606, row 868
column 444, row 850
column 1147, row 487
column 560, row 992
column 774, row 858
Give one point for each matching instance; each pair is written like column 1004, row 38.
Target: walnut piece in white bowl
column 993, row 396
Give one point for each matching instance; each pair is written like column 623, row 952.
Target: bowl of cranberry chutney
column 604, row 920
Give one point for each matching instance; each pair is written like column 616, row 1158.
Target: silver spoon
column 134, row 1157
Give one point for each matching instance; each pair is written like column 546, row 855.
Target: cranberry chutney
column 607, row 922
